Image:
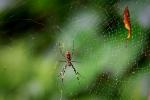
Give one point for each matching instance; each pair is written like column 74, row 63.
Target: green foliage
column 110, row 66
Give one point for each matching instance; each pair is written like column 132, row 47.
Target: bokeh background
column 110, row 68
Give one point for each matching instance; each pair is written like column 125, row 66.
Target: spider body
column 68, row 56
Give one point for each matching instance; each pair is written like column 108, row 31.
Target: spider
column 68, row 59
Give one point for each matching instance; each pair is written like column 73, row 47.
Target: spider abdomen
column 68, row 56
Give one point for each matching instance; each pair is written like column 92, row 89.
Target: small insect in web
column 126, row 20
column 68, row 60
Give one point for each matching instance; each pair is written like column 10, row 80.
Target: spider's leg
column 77, row 73
column 73, row 49
column 75, row 61
column 62, row 61
column 63, row 72
column 60, row 49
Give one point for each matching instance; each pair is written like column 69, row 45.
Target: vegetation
column 110, row 67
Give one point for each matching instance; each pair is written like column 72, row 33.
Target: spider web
column 121, row 64
column 110, row 66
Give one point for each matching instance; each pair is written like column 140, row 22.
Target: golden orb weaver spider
column 68, row 59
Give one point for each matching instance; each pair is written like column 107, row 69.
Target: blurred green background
column 110, row 68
